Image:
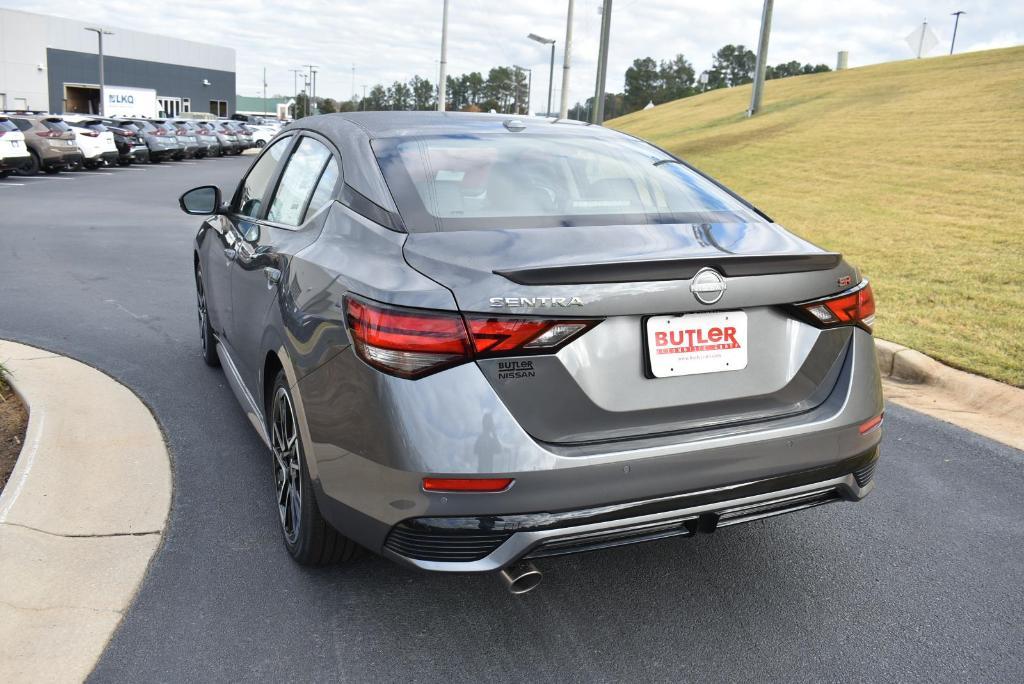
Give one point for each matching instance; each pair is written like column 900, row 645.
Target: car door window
column 250, row 194
column 298, row 181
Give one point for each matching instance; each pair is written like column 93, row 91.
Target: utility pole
column 314, row 93
column 762, row 58
column 597, row 116
column 295, row 89
column 920, row 43
column 362, row 103
column 99, row 34
column 563, row 110
column 956, row 24
column 442, row 82
column 264, row 90
column 309, row 79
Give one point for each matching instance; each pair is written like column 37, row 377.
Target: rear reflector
column 448, row 484
column 412, row 343
column 852, row 307
column 869, row 425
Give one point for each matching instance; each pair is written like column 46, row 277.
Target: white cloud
column 391, row 40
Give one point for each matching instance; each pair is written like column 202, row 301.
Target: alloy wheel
column 284, row 442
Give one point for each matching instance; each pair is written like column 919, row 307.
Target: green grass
column 914, row 170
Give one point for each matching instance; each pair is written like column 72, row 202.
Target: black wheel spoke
column 284, row 443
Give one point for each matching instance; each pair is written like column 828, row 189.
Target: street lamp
column 551, row 70
column 99, row 34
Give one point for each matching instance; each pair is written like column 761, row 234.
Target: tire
column 4, row 174
column 206, row 334
column 52, row 170
column 308, row 537
column 31, row 166
column 260, row 144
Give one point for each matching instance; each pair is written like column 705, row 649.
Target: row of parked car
column 30, row 143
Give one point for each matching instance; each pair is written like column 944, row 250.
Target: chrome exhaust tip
column 520, row 578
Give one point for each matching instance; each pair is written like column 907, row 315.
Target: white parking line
column 47, row 178
column 10, row 185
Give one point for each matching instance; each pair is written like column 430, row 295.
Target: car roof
column 406, row 124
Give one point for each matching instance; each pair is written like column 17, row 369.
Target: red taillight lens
column 476, row 484
column 411, row 343
column 91, row 134
column 48, row 134
column 853, row 307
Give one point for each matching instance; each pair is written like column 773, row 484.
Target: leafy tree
column 327, row 105
column 474, row 85
column 676, row 80
column 377, row 100
column 400, row 96
column 500, row 88
column 422, row 93
column 733, row 65
column 642, row 83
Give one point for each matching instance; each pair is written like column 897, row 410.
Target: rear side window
column 519, row 180
column 250, row 193
column 324, row 189
column 300, row 178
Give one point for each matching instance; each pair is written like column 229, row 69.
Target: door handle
column 273, row 276
column 230, row 254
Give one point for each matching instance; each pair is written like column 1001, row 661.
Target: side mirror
column 201, row 201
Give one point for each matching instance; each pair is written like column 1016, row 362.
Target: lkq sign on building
column 125, row 101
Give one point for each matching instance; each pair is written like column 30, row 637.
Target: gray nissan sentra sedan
column 472, row 340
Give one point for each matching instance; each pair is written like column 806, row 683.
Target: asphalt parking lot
column 924, row 580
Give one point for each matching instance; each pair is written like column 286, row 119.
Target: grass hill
column 914, row 170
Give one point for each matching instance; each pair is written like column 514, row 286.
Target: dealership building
column 52, row 64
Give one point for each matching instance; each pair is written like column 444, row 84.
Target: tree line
column 505, row 88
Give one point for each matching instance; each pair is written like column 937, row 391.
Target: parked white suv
column 13, row 152
column 93, row 138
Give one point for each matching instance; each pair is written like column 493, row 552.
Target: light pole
column 313, row 100
column 762, row 58
column 563, row 110
column 551, row 69
column 442, row 82
column 956, row 24
column 295, row 87
column 99, row 34
column 597, row 113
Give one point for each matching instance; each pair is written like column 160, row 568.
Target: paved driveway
column 922, row 581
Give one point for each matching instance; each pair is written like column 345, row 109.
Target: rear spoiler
column 672, row 269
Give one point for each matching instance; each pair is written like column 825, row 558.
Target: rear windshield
column 474, row 182
column 7, row 125
column 144, row 126
column 56, row 125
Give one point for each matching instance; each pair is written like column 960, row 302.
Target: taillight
column 855, row 306
column 48, row 134
column 412, row 343
column 91, row 134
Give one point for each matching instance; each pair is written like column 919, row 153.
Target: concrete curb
column 81, row 517
column 970, row 401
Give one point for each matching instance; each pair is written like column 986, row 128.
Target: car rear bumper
column 373, row 438
column 10, row 163
column 488, row 543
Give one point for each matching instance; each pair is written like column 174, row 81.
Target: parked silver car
column 470, row 341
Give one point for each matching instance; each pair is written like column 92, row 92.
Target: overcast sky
column 394, row 39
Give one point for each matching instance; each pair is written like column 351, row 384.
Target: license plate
column 697, row 343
